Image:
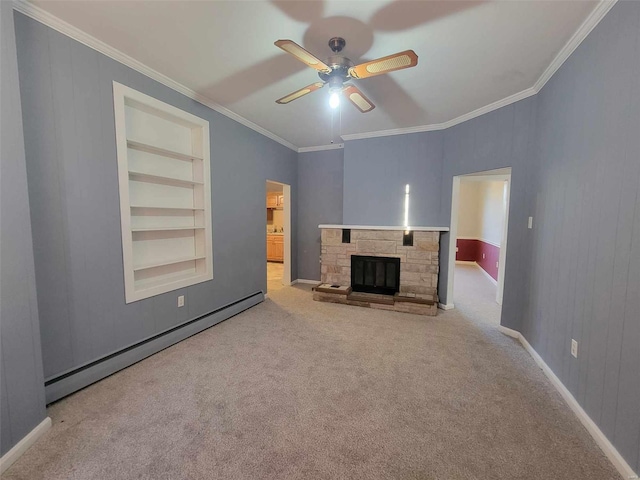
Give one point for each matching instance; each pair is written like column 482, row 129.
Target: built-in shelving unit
column 165, row 196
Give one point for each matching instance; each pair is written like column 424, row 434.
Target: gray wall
column 73, row 187
column 21, row 382
column 320, row 178
column 376, row 171
column 585, row 269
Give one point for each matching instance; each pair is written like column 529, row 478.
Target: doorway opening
column 278, row 234
column 478, row 243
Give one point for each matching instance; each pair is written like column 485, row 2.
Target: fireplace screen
column 375, row 274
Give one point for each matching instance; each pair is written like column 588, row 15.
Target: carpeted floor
column 474, row 295
column 299, row 389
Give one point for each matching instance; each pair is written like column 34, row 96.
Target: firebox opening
column 375, row 274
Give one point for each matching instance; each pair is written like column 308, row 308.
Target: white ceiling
column 471, row 54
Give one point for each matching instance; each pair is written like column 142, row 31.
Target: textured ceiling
column 471, row 54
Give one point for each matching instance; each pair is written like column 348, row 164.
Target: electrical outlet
column 574, row 348
column 496, row 264
column 530, row 223
column 457, row 249
column 483, row 255
column 181, row 301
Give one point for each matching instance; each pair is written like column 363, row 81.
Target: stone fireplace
column 380, row 267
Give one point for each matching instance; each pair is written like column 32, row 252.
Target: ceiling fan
column 339, row 69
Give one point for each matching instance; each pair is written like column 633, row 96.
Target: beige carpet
column 299, row 389
column 474, row 295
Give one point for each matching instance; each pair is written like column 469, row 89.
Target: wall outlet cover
column 181, row 301
column 574, row 348
column 530, row 223
column 483, row 255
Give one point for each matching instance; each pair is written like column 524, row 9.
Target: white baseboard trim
column 509, row 332
column 293, row 282
column 446, row 306
column 493, row 280
column 310, row 282
column 465, row 262
column 23, row 445
column 603, row 442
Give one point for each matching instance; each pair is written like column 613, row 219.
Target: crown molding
column 42, row 16
column 394, row 131
column 319, row 148
column 46, row 18
column 516, row 97
column 576, row 39
column 442, row 126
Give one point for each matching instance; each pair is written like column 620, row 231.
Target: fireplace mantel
column 374, row 227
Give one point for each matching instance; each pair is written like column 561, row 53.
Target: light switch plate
column 530, row 223
column 574, row 348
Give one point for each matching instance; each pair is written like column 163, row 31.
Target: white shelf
column 165, row 229
column 149, row 207
column 175, row 182
column 168, row 262
column 143, row 147
column 174, row 282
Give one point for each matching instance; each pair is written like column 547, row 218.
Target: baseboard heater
column 73, row 380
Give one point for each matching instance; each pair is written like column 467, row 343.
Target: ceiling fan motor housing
column 336, row 44
column 339, row 68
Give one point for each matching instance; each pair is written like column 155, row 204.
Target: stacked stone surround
column 418, row 263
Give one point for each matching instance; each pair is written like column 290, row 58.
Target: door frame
column 489, row 175
column 286, row 213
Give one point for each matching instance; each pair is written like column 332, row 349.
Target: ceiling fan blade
column 397, row 61
column 301, row 54
column 300, row 93
column 355, row 96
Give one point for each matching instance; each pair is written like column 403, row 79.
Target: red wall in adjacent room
column 467, row 250
column 492, row 255
column 472, row 250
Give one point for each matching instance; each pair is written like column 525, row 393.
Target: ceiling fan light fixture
column 338, row 69
column 334, row 100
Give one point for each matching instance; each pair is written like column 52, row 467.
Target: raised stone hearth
column 418, row 291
